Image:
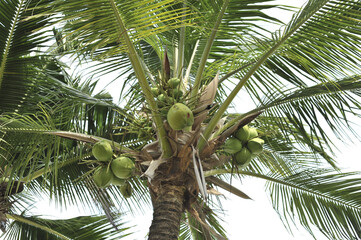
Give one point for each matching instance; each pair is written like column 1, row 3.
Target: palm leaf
column 278, row 47
column 19, row 37
column 204, row 223
column 142, row 19
column 297, row 112
column 334, row 101
column 48, row 162
column 83, row 227
column 328, row 200
column 322, row 198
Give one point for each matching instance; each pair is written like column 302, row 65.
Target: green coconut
column 180, row 116
column 155, row 91
column 117, row 181
column 176, row 93
column 243, row 157
column 187, row 129
column 102, row 151
column 126, row 190
column 255, row 145
column 252, row 133
column 173, row 82
column 243, row 133
column 122, row 167
column 102, row 177
column 232, row 145
column 161, row 97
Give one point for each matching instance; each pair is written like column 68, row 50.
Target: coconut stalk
column 223, row 108
column 140, row 73
column 205, row 54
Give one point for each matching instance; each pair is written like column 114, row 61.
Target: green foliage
column 83, row 227
column 326, row 199
column 19, row 69
column 304, row 79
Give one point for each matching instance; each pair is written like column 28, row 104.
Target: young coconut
column 180, row 116
column 243, row 157
column 255, row 145
column 122, row 167
column 102, row 177
column 232, row 145
column 155, row 91
column 176, row 93
column 173, row 82
column 252, row 133
column 102, row 151
column 117, row 181
column 161, row 97
column 243, row 133
column 126, row 190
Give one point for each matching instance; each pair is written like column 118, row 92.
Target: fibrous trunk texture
column 168, row 209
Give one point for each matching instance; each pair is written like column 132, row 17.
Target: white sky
column 245, row 219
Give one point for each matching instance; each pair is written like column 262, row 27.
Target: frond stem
column 282, row 182
column 9, row 41
column 44, row 170
column 140, row 73
column 37, row 225
column 230, row 74
column 207, row 49
column 223, row 108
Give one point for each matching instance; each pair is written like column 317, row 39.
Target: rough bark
column 168, row 209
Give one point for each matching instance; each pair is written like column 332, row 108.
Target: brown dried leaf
column 214, row 192
column 228, row 187
column 206, row 100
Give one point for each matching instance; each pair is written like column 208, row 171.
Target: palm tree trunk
column 168, row 209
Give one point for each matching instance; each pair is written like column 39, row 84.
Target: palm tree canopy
column 303, row 79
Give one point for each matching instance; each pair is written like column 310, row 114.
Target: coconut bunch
column 169, row 98
column 112, row 171
column 143, row 127
column 244, row 145
column 167, row 94
column 170, row 91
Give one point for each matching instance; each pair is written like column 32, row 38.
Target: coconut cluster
column 169, row 100
column 144, row 127
column 112, row 171
column 168, row 94
column 244, row 145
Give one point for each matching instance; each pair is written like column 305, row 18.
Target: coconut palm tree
column 180, row 65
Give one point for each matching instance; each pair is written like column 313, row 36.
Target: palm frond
column 142, row 19
column 204, row 223
column 301, row 114
column 313, row 47
column 330, row 201
column 335, row 102
column 83, row 227
column 322, row 198
column 244, row 21
column 40, row 154
column 19, row 38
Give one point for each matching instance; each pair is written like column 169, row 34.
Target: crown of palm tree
column 303, row 78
